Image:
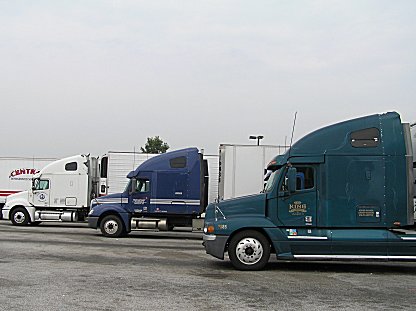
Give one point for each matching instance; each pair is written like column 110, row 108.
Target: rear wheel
column 249, row 250
column 112, row 226
column 20, row 217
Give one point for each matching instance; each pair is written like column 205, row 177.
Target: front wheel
column 249, row 250
column 112, row 226
column 20, row 217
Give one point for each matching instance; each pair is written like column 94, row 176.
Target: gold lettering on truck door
column 297, row 208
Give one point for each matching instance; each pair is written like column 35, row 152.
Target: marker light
column 210, row 229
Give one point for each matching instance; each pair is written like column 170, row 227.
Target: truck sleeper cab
column 342, row 192
column 167, row 190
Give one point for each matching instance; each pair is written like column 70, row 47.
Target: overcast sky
column 93, row 76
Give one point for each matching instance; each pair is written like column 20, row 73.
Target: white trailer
column 242, row 168
column 114, row 167
column 413, row 134
column 16, row 174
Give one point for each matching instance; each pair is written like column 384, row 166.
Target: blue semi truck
column 165, row 191
column 342, row 192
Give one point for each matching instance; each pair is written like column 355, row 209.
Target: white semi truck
column 61, row 191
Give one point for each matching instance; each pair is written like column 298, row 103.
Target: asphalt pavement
column 72, row 267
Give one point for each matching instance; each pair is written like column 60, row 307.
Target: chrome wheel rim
column 249, row 251
column 111, row 226
column 19, row 217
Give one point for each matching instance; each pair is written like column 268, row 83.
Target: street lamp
column 258, row 137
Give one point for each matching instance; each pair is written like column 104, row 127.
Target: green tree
column 154, row 145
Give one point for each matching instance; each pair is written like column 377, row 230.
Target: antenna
column 134, row 157
column 293, row 131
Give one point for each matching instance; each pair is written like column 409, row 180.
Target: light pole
column 258, row 137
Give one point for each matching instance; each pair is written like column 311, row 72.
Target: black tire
column 112, row 226
column 20, row 217
column 170, row 227
column 249, row 250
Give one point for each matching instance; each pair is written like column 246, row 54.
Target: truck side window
column 44, row 184
column 41, row 184
column 179, row 162
column 365, row 138
column 304, row 179
column 71, row 166
column 142, row 185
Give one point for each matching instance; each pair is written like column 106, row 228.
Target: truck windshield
column 270, row 183
column 128, row 186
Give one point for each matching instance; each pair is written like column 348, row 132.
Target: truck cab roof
column 73, row 163
column 166, row 161
column 361, row 136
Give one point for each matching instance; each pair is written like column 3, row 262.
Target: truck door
column 40, row 194
column 139, row 200
column 299, row 209
column 297, row 212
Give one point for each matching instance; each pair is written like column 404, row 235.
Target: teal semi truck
column 342, row 192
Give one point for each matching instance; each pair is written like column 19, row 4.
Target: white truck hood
column 20, row 196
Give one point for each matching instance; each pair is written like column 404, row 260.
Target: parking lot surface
column 72, row 267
